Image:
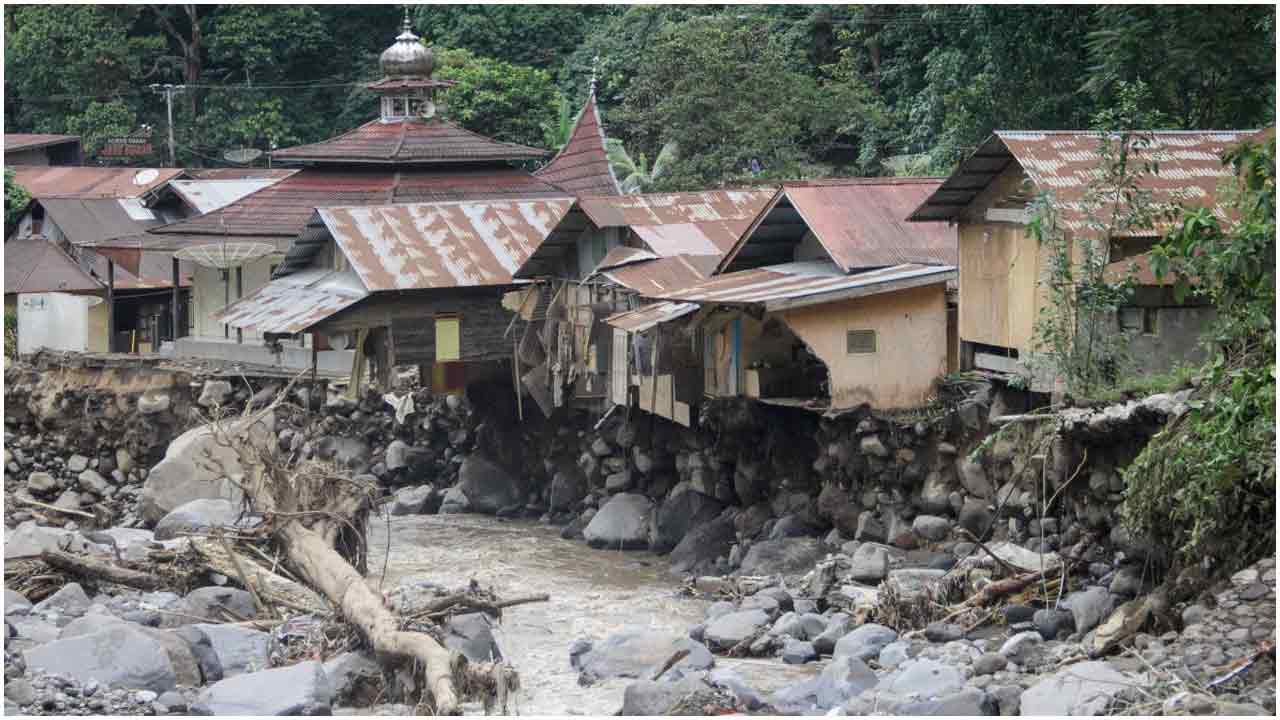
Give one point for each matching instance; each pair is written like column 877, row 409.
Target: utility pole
column 169, row 90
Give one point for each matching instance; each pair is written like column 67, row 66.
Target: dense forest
column 697, row 95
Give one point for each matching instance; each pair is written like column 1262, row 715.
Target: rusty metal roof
column 295, row 303
column 808, row 283
column 30, row 141
column 208, row 195
column 237, row 173
column 435, row 245
column 694, row 222
column 623, row 255
column 1188, row 163
column 284, row 208
column 582, row 165
column 410, row 141
column 661, row 275
column 35, row 265
column 91, row 182
column 860, row 222
column 643, row 318
column 87, row 222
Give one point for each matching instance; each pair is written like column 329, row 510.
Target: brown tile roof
column 92, row 182
column 582, row 165
column 29, row 141
column 35, row 265
column 408, row 142
column 1188, row 163
column 284, row 208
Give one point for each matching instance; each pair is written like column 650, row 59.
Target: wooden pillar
column 239, row 294
column 315, row 362
column 111, row 305
column 174, row 310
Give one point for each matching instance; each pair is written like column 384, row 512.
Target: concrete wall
column 911, row 346
column 208, row 295
column 1176, row 340
column 291, row 356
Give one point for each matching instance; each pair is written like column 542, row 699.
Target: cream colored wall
column 911, row 346
column 207, row 296
column 98, row 327
column 1000, row 298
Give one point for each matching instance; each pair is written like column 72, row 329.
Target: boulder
column 989, row 664
column 931, row 527
column 568, row 487
column 837, row 627
column 202, row 649
column 942, row 632
column 975, row 517
column 301, row 689
column 349, row 673
column 30, row 539
column 870, row 564
column 974, row 479
column 865, row 641
column 41, row 483
column 351, row 454
column 1022, row 647
column 798, row 652
column 924, row 677
column 239, row 649
column 488, row 487
column 196, row 465
column 119, row 656
column 472, row 635
column 843, row 678
column 637, row 652
column 1081, row 689
column 15, row 603
column 410, row 500
column 197, row 516
column 781, row 557
column 698, row 551
column 680, row 513
column 969, row 702
column 208, row 603
column 623, row 523
column 69, row 600
column 647, row 697
column 455, row 501
column 1089, row 607
column 214, row 393
column 396, row 455
column 729, row 629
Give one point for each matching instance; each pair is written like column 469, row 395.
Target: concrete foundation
column 291, row 357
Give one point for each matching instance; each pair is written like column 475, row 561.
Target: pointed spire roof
column 582, row 165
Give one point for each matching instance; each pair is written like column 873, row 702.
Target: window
column 448, row 338
column 860, row 342
column 415, row 106
column 1140, row 320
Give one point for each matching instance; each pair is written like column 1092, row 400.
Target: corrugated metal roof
column 30, row 141
column 34, row 265
column 92, row 182
column 1188, row 163
column 810, row 280
column 295, row 303
column 662, row 275
column 87, row 222
column 720, row 216
column 284, row 208
column 643, row 318
column 582, row 165
column 406, row 142
column 244, row 173
column 407, row 247
column 209, row 195
column 623, row 255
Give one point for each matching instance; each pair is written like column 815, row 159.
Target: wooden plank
column 618, row 385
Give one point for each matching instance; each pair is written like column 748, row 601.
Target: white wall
column 56, row 321
column 207, row 296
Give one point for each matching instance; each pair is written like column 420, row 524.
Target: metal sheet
column 648, row 316
column 1189, row 169
column 294, row 304
column 435, row 245
column 408, row 141
column 34, row 264
column 790, row 281
column 209, row 195
column 734, row 209
column 623, row 255
column 92, row 182
column 94, row 221
column 662, row 275
column 582, row 166
column 30, row 141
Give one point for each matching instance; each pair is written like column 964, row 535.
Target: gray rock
column 202, row 650
column 301, row 689
column 488, row 487
column 636, row 653
column 568, row 487
column 69, row 600
column 152, row 402
column 15, row 603
column 472, row 635
column 239, row 649
column 837, row 627
column 894, row 654
column 197, row 516
column 922, row 676
column 1022, row 647
column 842, row 678
column 734, row 683
column 702, row 545
column 91, row 481
column 90, row 624
column 30, row 539
column 720, row 607
column 941, row 632
column 1050, row 622
column 622, row 523
column 870, row 564
column 798, row 652
column 931, row 527
column 729, row 629
column 679, row 514
column 41, row 483
column 1129, row 582
column 348, row 673
column 77, row 463
column 989, row 664
column 214, row 393
column 647, row 697
column 781, row 557
column 34, row 629
column 119, row 656
column 455, row 501
column 410, row 500
column 19, row 691
column 1081, row 689
column 1089, row 607
column 974, row 479
column 208, row 603
column 396, row 455
column 913, row 582
column 969, row 702
column 872, row 445
column 865, row 641
column 196, row 465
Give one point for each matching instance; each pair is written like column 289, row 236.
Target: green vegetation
column 15, row 200
column 10, row 333
column 751, row 93
column 1206, row 484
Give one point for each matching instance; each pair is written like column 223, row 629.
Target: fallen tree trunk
column 86, row 566
column 272, row 588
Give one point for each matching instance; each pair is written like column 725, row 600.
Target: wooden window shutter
column 860, row 342
column 448, row 338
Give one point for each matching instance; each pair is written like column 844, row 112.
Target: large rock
column 568, row 487
column 913, row 582
column 729, row 629
column 1081, row 689
column 410, row 500
column 698, row 551
column 119, row 656
column 865, row 641
column 843, row 678
column 488, row 487
column 69, row 600
column 924, row 677
column 974, row 478
column 931, row 527
column 870, row 563
column 196, row 465
column 683, row 511
column 636, row 653
column 301, row 689
column 351, row 454
column 472, row 635
column 349, row 674
column 239, row 649
column 30, row 539
column 212, row 604
column 622, row 523
column 15, row 603
column 1089, row 607
column 650, row 698
column 781, row 557
column 197, row 516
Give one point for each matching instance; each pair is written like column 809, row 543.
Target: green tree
column 100, row 121
column 535, row 35
column 495, row 98
column 15, row 200
column 635, row 174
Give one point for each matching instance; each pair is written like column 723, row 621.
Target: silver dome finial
column 407, row 57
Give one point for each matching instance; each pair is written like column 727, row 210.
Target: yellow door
column 448, row 338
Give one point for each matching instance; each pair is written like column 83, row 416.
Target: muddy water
column 593, row 593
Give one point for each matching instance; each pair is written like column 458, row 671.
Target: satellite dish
column 428, row 109
column 243, row 156
column 224, row 255
column 340, row 340
column 144, row 177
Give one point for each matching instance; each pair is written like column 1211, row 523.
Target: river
column 594, row 593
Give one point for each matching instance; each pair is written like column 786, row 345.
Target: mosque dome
column 407, row 57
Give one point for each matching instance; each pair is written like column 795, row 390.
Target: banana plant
column 634, row 174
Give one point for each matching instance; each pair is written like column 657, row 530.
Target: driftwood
column 86, row 566
column 270, row 587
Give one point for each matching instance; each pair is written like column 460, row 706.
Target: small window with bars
column 860, row 342
column 1140, row 320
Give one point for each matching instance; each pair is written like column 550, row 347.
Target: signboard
column 126, row 146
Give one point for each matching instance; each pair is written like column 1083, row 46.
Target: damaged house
column 1002, row 268
column 828, row 300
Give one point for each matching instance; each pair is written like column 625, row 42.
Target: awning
column 648, row 316
column 294, row 303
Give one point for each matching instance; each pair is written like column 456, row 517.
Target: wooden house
column 1002, row 269
column 827, row 300
column 41, row 149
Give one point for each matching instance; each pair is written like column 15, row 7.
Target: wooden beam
column 239, row 294
column 174, row 304
column 111, row 305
